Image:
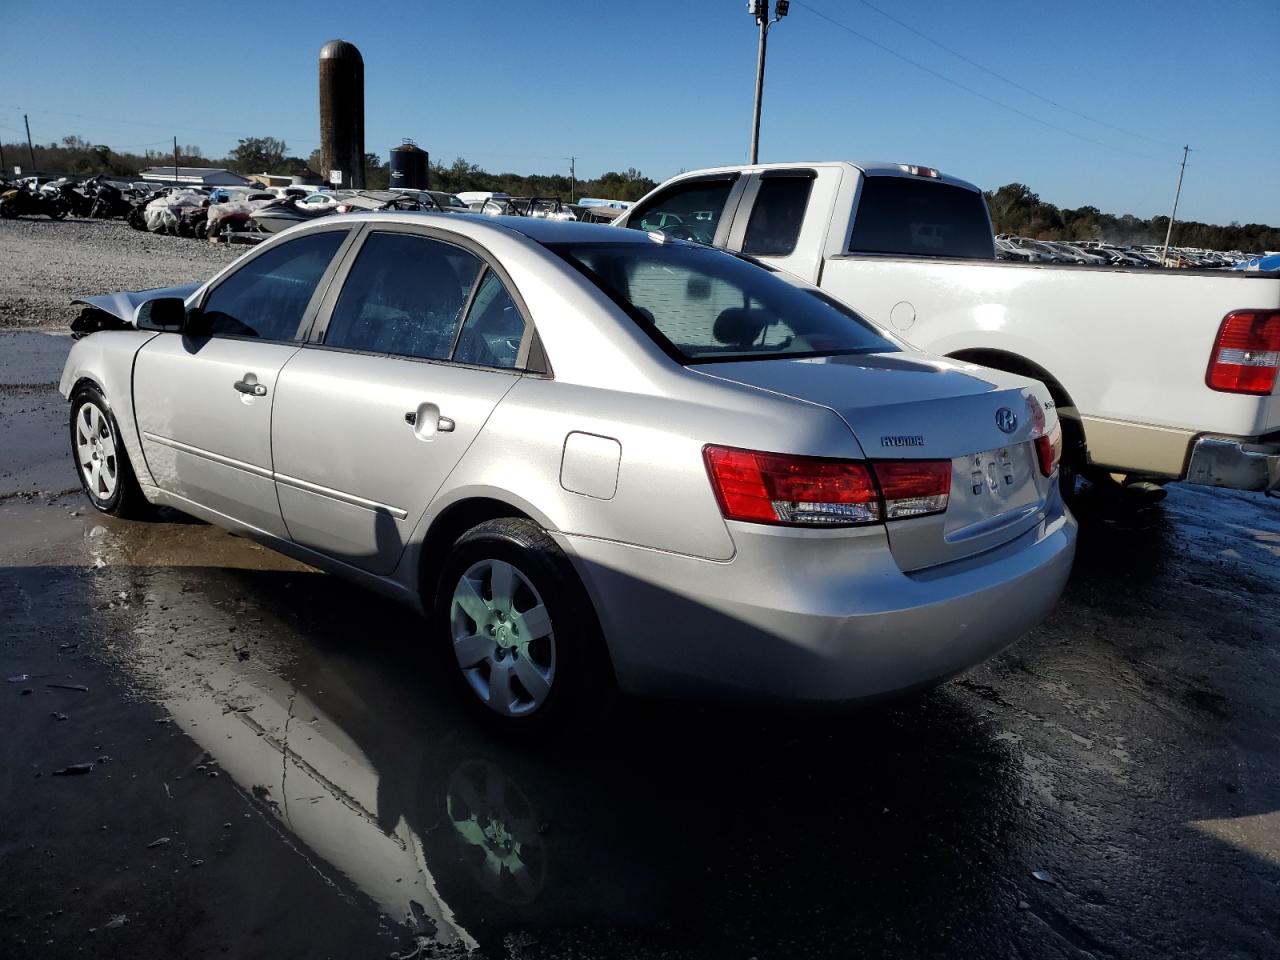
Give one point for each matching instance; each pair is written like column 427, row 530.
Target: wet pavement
column 281, row 769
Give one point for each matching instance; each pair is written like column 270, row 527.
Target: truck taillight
column 1049, row 450
column 777, row 488
column 1246, row 354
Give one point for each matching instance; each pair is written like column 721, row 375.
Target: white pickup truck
column 1158, row 375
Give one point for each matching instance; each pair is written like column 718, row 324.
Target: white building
column 195, row 176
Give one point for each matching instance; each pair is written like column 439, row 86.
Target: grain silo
column 342, row 112
column 409, row 167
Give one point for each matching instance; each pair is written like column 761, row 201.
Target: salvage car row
column 696, row 457
column 250, row 213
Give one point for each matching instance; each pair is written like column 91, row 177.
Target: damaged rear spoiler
column 115, row 311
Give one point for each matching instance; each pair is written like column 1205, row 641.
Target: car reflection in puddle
column 707, row 830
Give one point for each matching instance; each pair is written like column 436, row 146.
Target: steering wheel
column 681, row 232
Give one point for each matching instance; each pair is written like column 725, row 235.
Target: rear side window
column 920, row 218
column 494, row 327
column 775, row 221
column 404, row 296
column 685, row 211
column 267, row 297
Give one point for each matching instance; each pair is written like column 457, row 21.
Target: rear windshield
column 923, row 218
column 704, row 305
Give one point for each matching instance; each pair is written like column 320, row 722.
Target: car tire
column 102, row 463
column 522, row 635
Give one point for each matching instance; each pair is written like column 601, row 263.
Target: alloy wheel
column 503, row 638
column 96, row 451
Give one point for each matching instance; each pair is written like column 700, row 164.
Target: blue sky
column 666, row 87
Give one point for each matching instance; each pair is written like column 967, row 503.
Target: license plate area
column 992, row 488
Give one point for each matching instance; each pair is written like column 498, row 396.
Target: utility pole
column 1164, row 255
column 572, row 178
column 31, row 154
column 760, row 10
column 175, row 161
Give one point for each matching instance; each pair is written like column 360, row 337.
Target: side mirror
column 167, row 315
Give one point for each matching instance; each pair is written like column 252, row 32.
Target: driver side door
column 203, row 398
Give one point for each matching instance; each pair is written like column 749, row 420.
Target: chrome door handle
column 251, row 386
column 427, row 421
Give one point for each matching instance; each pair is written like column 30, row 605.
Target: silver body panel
column 604, row 450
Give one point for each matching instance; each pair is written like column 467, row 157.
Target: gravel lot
column 273, row 763
column 45, row 263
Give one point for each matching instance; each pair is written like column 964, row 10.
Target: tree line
column 78, row 157
column 1016, row 209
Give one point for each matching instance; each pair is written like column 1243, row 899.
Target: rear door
column 415, row 347
column 204, row 397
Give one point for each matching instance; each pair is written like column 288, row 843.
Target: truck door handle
column 251, row 386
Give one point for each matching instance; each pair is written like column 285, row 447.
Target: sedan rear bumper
column 819, row 616
column 1237, row 463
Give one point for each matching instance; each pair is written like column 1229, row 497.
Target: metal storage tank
column 342, row 112
column 409, row 167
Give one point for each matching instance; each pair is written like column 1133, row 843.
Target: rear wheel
column 101, row 461
column 8, row 210
column 519, row 624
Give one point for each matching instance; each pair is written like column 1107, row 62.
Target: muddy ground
column 279, row 768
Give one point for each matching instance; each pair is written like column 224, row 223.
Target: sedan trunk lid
column 908, row 406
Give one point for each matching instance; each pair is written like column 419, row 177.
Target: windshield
column 704, row 305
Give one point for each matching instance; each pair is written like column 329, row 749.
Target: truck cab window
column 775, row 221
column 686, row 211
column 922, row 218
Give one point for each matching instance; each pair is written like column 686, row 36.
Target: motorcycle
column 25, row 202
column 108, row 201
column 78, row 203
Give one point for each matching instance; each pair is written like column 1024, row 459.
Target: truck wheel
column 524, row 639
column 101, row 461
column 1074, row 463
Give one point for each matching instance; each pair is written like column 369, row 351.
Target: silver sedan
column 594, row 459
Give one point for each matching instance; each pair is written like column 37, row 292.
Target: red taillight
column 1246, row 355
column 913, row 488
column 811, row 491
column 1049, row 450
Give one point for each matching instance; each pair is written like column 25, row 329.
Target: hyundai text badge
column 1006, row 420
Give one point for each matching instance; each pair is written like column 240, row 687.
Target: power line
column 968, row 89
column 1013, row 83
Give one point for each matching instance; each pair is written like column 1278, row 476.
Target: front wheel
column 520, row 626
column 101, row 461
column 8, row 210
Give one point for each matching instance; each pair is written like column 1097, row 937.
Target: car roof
column 477, row 226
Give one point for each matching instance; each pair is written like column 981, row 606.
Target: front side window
column 267, row 297
column 494, row 327
column 775, row 221
column 404, row 296
column 920, row 218
column 703, row 305
column 685, row 211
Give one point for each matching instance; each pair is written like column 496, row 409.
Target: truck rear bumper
column 1235, row 462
